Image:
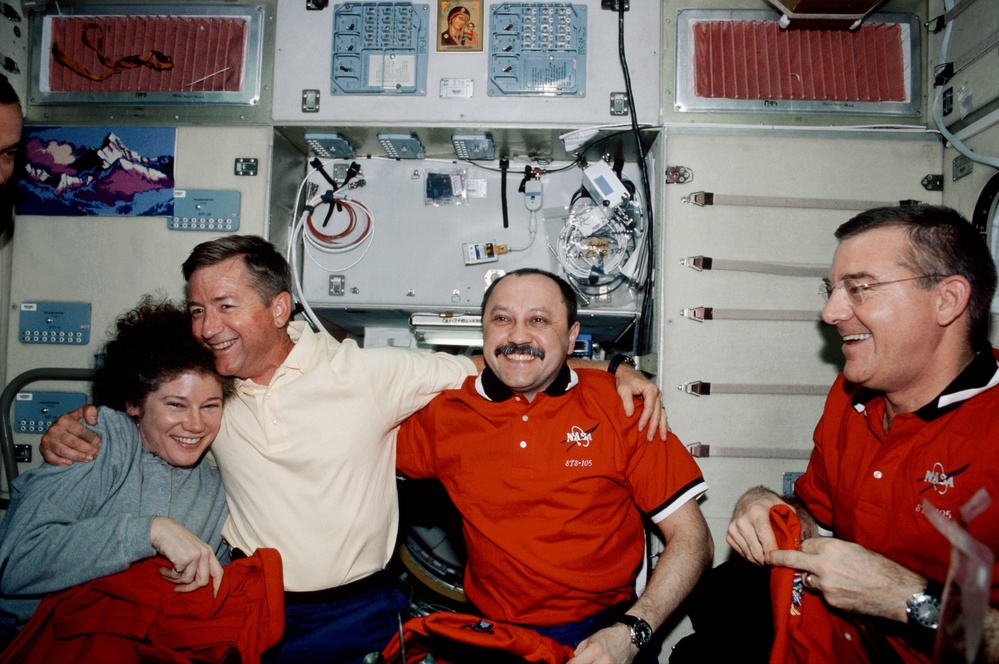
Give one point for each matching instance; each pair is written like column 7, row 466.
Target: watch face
column 925, row 610
column 927, row 613
column 641, row 633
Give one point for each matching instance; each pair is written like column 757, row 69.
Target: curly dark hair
column 150, row 345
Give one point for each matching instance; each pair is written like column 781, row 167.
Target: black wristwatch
column 620, row 359
column 641, row 631
column 923, row 609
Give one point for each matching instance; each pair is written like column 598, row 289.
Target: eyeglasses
column 856, row 289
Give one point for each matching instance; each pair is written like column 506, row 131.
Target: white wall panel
column 111, row 262
column 303, row 61
column 817, row 165
column 967, row 193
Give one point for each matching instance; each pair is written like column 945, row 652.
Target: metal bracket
column 699, row 450
column 678, row 175
column 932, row 182
column 619, row 103
column 699, row 263
column 697, row 388
column 962, row 166
column 310, row 101
column 700, row 314
column 699, row 198
column 948, row 101
column 245, row 166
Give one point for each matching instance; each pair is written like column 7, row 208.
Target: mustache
column 520, row 349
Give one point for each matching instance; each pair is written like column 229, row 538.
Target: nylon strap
column 701, row 451
column 701, row 314
column 701, row 389
column 702, row 198
column 763, row 267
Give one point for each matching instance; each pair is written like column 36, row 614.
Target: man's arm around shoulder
column 68, row 440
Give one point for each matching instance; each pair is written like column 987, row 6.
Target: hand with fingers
column 194, row 562
column 851, row 577
column 68, row 440
column 632, row 383
column 750, row 532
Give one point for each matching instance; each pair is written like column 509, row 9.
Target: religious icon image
column 459, row 23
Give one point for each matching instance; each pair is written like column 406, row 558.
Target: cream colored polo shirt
column 308, row 461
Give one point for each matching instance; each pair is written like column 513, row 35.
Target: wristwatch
column 620, row 359
column 641, row 631
column 923, row 608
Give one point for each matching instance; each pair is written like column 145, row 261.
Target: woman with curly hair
column 148, row 493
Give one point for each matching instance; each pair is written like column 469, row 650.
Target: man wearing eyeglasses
column 913, row 415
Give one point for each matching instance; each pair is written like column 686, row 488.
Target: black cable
column 504, row 167
column 648, row 301
column 529, row 174
column 318, row 165
column 543, row 170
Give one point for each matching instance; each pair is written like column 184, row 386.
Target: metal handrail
column 7, row 400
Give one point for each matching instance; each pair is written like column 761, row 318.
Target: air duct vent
column 149, row 53
column 745, row 62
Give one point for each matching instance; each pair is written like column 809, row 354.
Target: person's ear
column 573, row 333
column 954, row 294
column 281, row 308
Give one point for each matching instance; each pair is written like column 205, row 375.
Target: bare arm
column 67, row 440
column 689, row 550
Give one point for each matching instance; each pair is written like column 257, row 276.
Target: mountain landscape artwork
column 98, row 171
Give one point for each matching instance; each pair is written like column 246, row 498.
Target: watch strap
column 617, row 360
column 641, row 631
column 934, row 589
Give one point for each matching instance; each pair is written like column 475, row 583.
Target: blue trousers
column 571, row 634
column 340, row 632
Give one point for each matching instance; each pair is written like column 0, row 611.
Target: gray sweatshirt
column 70, row 524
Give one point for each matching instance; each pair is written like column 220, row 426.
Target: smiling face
column 525, row 332
column 180, row 419
column 891, row 339
column 245, row 334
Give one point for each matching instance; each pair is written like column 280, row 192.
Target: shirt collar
column 489, row 386
column 981, row 374
column 305, row 341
